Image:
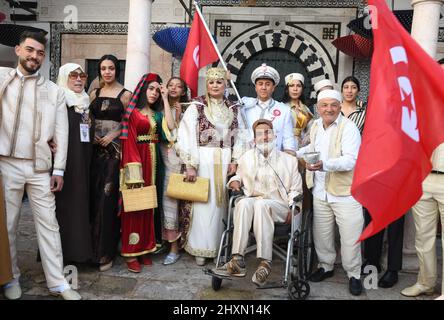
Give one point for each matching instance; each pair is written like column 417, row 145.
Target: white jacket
column 32, row 112
column 278, row 113
column 285, row 174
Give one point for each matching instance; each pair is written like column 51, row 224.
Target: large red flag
column 199, row 52
column 403, row 126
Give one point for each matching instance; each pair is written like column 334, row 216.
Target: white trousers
column 425, row 214
column 17, row 175
column 263, row 213
column 350, row 220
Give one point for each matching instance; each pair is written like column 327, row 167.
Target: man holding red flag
column 200, row 51
column 426, row 215
column 403, row 124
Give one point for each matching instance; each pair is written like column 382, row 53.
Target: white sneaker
column 262, row 272
column 68, row 294
column 417, row 290
column 105, row 266
column 200, row 261
column 13, row 292
column 231, row 268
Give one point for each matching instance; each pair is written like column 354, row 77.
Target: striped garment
column 358, row 116
column 133, row 103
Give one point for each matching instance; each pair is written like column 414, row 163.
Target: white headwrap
column 80, row 101
column 265, row 72
column 294, row 76
column 321, row 84
column 330, row 94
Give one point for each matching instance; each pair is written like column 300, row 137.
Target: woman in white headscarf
column 73, row 201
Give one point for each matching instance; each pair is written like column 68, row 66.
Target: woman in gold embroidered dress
column 208, row 145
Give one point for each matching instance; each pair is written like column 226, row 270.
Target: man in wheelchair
column 270, row 180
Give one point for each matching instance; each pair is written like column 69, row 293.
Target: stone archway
column 314, row 59
column 280, row 59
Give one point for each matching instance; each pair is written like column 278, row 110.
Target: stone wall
column 169, row 11
column 306, row 33
column 92, row 40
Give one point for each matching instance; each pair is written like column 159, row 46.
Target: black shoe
column 355, row 286
column 389, row 279
column 320, row 275
column 160, row 248
column 368, row 263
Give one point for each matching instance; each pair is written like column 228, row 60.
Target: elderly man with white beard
column 270, row 181
column 336, row 140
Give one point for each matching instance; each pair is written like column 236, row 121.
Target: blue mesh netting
column 172, row 40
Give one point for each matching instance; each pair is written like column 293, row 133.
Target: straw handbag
column 192, row 191
column 137, row 199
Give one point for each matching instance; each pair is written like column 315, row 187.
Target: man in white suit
column 265, row 80
column 426, row 214
column 32, row 113
column 270, row 181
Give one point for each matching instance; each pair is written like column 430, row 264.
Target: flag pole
column 216, row 48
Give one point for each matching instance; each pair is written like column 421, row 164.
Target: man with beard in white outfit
column 270, row 181
column 32, row 113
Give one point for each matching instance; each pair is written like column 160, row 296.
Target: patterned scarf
column 149, row 77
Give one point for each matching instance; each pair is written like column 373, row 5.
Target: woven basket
column 190, row 191
column 138, row 199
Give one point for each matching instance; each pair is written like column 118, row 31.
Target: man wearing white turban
column 330, row 161
column 324, row 84
column 265, row 79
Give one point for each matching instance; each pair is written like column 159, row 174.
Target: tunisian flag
column 199, row 52
column 404, row 124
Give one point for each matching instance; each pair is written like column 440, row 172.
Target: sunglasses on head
column 75, row 75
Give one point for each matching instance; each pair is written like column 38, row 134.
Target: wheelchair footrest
column 271, row 285
column 211, row 273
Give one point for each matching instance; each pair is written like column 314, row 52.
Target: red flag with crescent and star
column 404, row 122
column 199, row 52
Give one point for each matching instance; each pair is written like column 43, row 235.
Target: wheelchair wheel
column 306, row 250
column 298, row 290
column 216, row 283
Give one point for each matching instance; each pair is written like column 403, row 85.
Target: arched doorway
column 283, row 61
column 302, row 51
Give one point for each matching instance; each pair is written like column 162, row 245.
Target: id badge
column 84, row 132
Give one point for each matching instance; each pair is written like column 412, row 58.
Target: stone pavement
column 185, row 280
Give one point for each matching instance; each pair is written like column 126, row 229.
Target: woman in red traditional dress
column 144, row 127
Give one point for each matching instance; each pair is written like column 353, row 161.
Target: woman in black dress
column 107, row 107
column 73, row 201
